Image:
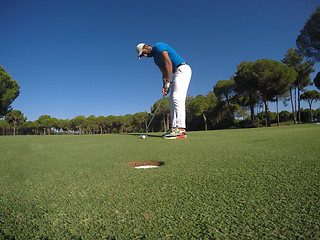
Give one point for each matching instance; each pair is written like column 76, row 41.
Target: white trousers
column 177, row 100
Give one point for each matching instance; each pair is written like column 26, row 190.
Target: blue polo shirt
column 159, row 48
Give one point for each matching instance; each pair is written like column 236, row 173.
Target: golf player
column 171, row 65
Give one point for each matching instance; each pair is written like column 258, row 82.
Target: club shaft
column 154, row 113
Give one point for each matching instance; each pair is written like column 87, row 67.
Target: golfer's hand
column 165, row 91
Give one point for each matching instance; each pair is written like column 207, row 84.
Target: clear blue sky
column 75, row 57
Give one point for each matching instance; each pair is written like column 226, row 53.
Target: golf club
column 154, row 114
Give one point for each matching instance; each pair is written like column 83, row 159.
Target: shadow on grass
column 148, row 135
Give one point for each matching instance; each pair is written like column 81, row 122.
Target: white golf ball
column 143, row 136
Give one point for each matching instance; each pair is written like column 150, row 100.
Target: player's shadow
column 148, row 135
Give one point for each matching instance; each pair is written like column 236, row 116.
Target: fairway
column 228, row 184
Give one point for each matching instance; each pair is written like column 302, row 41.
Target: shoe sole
column 175, row 137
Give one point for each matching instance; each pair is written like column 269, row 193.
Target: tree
column 15, row 117
column 309, row 38
column 30, row 127
column 294, row 58
column 44, row 123
column 316, row 81
column 284, row 116
column 201, row 105
column 101, row 122
column 242, row 111
column 67, row 125
column 92, row 125
column 119, row 123
column 273, row 78
column 311, row 96
column 59, row 125
column 224, row 88
column 303, row 80
column 163, row 114
column 80, row 123
column 110, row 123
column 4, row 126
column 283, row 86
column 51, row 123
column 9, row 91
column 246, row 86
column 128, row 123
column 140, row 121
column 317, row 114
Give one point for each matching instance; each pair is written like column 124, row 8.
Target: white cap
column 139, row 49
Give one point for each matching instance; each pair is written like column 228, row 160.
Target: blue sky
column 74, row 57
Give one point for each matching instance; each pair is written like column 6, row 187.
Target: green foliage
column 224, row 88
column 199, row 105
column 273, row 78
column 317, row 114
column 229, row 184
column 284, row 116
column 245, row 79
column 92, row 124
column 292, row 58
column 310, row 97
column 304, row 70
column 308, row 116
column 4, row 127
column 246, row 86
column 265, row 79
column 309, row 38
column 15, row 117
column 161, row 121
column 202, row 106
column 316, row 81
column 80, row 123
column 9, row 91
column 45, row 123
column 140, row 121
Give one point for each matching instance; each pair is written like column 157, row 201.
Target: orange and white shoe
column 176, row 134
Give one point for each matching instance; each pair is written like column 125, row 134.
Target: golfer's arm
column 167, row 68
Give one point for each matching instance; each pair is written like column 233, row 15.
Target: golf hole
column 145, row 164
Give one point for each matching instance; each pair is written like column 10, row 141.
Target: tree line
column 232, row 103
column 203, row 112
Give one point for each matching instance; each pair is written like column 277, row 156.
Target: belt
column 179, row 66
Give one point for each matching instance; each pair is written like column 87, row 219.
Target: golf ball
column 143, row 136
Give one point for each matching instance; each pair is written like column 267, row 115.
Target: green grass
column 228, row 184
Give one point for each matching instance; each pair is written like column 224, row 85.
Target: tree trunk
column 164, row 123
column 299, row 111
column 295, row 104
column 267, row 113
column 205, row 122
column 278, row 121
column 14, row 127
column 293, row 112
column 253, row 120
column 310, row 107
